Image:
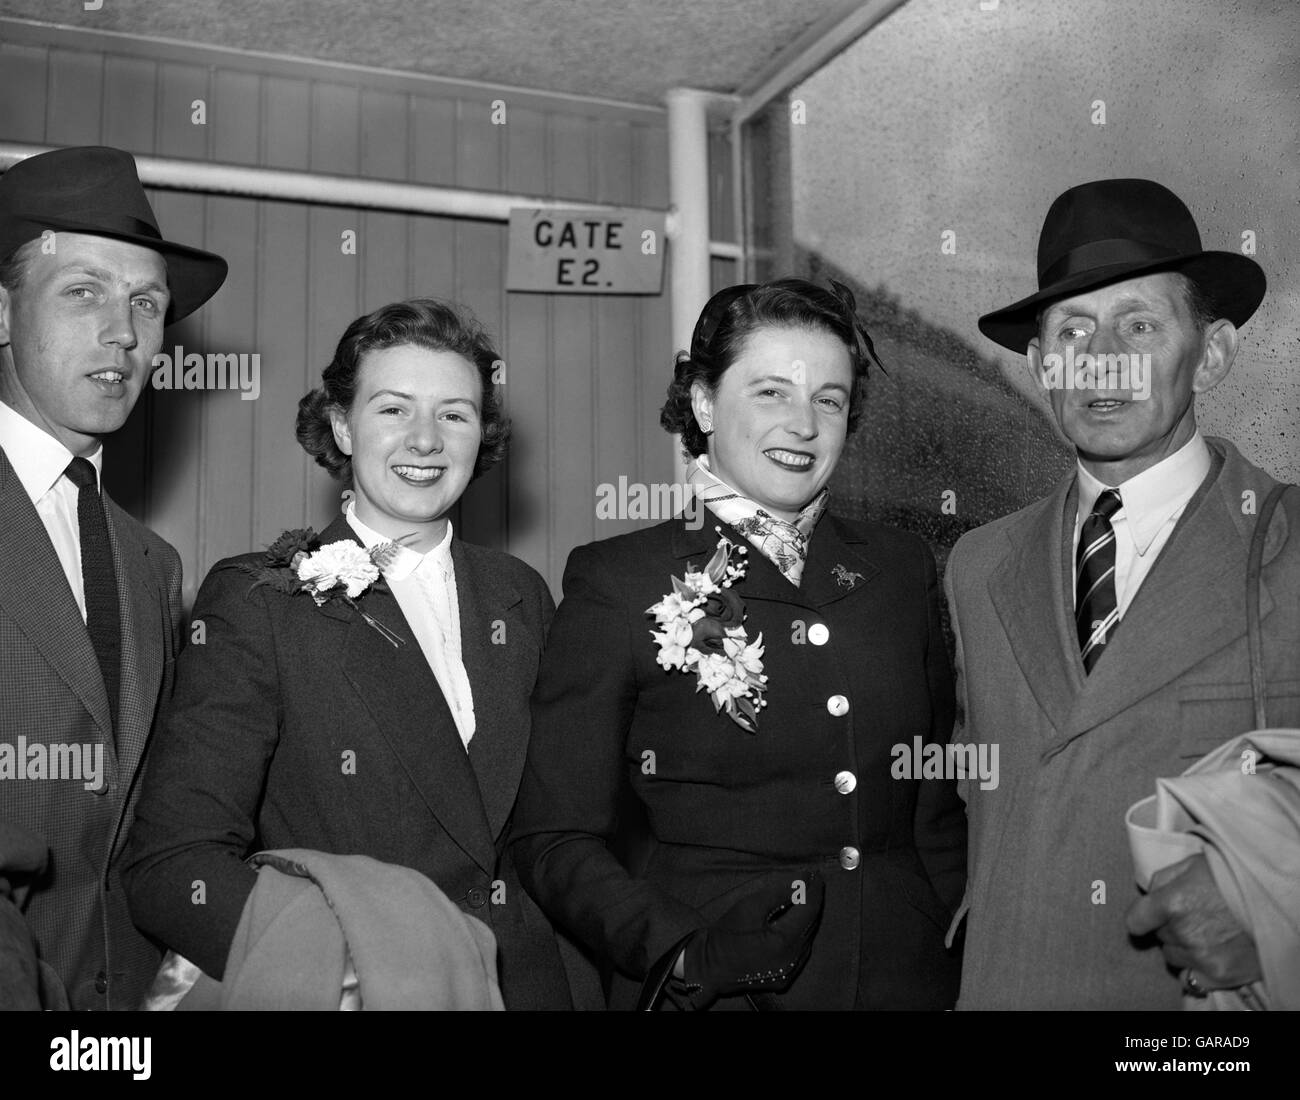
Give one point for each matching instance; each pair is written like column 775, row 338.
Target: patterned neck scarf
column 784, row 544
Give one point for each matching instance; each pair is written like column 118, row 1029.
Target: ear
column 1034, row 357
column 701, row 404
column 342, row 433
column 1217, row 357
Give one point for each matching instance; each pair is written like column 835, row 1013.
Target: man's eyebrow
column 107, row 277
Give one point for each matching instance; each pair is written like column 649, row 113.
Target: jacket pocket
column 1210, row 714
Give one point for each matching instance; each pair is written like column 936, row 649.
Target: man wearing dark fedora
column 90, row 599
column 1102, row 631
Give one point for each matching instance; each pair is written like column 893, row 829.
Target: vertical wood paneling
column 179, row 86
column 177, row 430
column 585, row 377
column 280, row 482
column 480, row 277
column 231, row 461
column 614, row 376
column 655, row 349
column 384, row 266
column 76, row 87
column 528, row 366
column 24, row 73
column 334, row 295
column 572, row 421
column 432, row 134
column 130, row 100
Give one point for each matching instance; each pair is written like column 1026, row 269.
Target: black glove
column 757, row 946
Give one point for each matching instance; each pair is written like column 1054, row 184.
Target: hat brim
column 193, row 275
column 1234, row 283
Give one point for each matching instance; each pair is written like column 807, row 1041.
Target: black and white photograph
column 550, row 506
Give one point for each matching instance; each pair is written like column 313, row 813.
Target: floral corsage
column 343, row 571
column 700, row 630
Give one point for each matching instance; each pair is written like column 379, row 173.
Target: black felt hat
column 1108, row 230
column 96, row 190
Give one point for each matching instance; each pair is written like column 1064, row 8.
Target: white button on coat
column 850, row 857
column 837, row 705
column 845, row 782
column 818, row 634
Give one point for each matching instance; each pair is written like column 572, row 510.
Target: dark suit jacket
column 724, row 807
column 1051, row 874
column 52, row 692
column 297, row 726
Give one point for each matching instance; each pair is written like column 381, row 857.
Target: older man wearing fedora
column 1102, row 631
column 90, row 606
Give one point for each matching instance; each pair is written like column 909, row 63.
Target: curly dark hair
column 422, row 322
column 736, row 313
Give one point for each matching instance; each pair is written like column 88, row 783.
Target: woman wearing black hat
column 746, row 679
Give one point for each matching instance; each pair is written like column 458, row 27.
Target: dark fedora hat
column 1108, row 230
column 96, row 190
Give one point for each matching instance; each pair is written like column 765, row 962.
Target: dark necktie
column 1096, row 609
column 103, row 620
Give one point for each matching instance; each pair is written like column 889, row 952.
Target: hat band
column 103, row 221
column 1098, row 254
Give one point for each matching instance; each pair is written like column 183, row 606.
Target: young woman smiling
column 331, row 710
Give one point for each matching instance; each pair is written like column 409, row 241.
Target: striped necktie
column 1096, row 608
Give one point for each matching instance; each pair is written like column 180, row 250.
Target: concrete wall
column 950, row 117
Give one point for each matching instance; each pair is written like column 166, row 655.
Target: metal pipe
column 172, row 174
column 688, row 189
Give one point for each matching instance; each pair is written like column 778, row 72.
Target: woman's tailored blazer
column 297, row 726
column 856, row 665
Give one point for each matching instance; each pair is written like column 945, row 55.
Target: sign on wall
column 585, row 251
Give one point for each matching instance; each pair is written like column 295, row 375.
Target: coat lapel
column 1031, row 592
column 36, row 595
column 146, row 629
column 501, row 678
column 836, row 566
column 1190, row 605
column 408, row 707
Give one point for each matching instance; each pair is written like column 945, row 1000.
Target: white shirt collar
column 37, row 457
column 405, row 561
column 1151, row 497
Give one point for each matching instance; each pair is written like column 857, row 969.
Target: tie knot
column 1107, row 504
column 81, row 473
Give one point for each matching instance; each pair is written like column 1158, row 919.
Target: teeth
column 418, row 473
column 108, row 375
column 789, row 458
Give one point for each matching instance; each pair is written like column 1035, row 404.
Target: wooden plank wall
column 217, row 475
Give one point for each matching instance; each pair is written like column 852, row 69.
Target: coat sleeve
column 567, row 813
column 184, row 873
column 940, row 829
